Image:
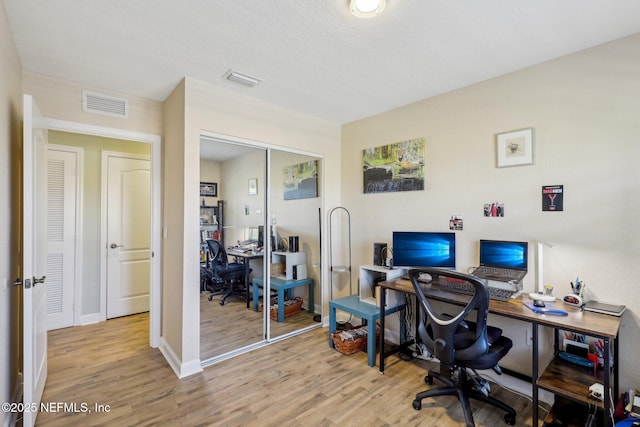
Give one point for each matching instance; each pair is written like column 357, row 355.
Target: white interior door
column 34, row 259
column 62, row 180
column 128, row 235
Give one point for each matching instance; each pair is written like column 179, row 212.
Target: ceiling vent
column 241, row 79
column 104, row 104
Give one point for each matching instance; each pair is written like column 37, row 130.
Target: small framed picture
column 209, row 189
column 253, row 186
column 515, row 148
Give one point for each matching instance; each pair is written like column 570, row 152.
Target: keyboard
column 499, row 294
column 498, row 274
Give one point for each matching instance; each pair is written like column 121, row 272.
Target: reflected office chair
column 227, row 278
column 461, row 345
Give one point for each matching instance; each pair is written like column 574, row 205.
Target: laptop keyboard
column 498, row 294
column 496, row 273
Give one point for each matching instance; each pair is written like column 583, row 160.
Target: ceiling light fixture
column 367, row 8
column 242, row 79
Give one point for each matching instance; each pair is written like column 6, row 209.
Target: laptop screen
column 496, row 253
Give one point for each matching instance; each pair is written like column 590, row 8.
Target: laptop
column 502, row 261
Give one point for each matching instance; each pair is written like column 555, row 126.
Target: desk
column 369, row 313
column 246, row 260
column 282, row 286
column 554, row 378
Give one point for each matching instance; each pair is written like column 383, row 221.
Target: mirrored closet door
column 295, row 213
column 255, row 201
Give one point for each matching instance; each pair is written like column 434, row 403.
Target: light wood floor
column 296, row 382
column 228, row 327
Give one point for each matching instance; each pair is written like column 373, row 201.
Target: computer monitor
column 424, row 249
column 504, row 254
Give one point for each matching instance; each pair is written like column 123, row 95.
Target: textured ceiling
column 312, row 55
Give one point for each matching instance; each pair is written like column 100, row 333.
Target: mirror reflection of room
column 295, row 188
column 236, row 239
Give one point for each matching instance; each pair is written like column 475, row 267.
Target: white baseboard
column 181, row 370
column 88, row 319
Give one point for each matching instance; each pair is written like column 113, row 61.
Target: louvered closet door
column 61, row 219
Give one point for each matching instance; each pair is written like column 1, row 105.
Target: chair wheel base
column 417, row 405
column 210, row 297
column 510, row 419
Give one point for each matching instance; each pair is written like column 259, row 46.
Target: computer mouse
column 538, row 303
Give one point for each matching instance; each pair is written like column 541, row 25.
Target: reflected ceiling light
column 367, row 8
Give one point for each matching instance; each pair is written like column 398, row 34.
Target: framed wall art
column 301, row 181
column 394, row 167
column 209, row 189
column 253, row 186
column 515, row 148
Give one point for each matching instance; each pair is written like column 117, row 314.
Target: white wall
column 10, row 143
column 584, row 108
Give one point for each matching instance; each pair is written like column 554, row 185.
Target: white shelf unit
column 369, row 276
column 295, row 264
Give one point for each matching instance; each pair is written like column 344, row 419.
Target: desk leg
column 332, row 323
column 371, row 343
column 312, row 307
column 281, row 293
column 534, row 373
column 247, row 273
column 383, row 303
column 256, row 291
column 608, row 412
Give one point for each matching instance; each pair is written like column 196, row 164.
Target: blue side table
column 368, row 313
column 283, row 287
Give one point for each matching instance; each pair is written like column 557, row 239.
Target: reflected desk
column 559, row 377
column 246, row 258
column 283, row 287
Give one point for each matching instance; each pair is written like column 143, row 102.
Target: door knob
column 40, row 280
column 113, row 246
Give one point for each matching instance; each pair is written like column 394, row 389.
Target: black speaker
column 293, row 243
column 379, row 250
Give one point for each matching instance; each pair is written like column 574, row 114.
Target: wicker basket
column 351, row 346
column 291, row 307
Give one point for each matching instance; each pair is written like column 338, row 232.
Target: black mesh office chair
column 226, row 278
column 461, row 345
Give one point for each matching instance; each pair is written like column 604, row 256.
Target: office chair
column 226, row 278
column 461, row 345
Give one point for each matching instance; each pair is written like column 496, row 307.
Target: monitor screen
column 424, row 249
column 497, row 253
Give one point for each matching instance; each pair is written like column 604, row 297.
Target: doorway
column 90, row 298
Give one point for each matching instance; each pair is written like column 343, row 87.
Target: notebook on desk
column 599, row 307
column 502, row 261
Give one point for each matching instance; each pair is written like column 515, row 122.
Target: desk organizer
column 353, row 344
column 291, row 307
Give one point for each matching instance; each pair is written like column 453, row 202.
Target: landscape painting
column 301, row 181
column 394, row 167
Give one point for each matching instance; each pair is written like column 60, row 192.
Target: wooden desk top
column 249, row 254
column 577, row 320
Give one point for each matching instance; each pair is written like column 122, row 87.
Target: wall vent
column 242, row 79
column 104, row 104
